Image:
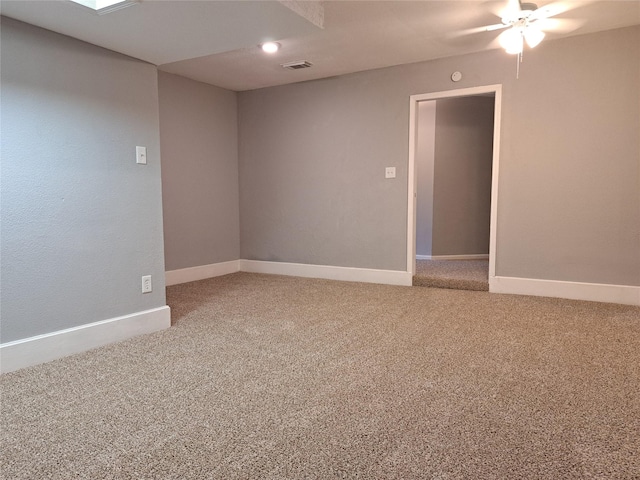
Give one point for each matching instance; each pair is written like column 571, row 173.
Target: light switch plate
column 141, row 155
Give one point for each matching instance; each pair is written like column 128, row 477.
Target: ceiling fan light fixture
column 511, row 40
column 533, row 36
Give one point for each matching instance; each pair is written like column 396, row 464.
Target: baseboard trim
column 347, row 274
column 201, row 272
column 478, row 256
column 594, row 292
column 51, row 346
column 623, row 294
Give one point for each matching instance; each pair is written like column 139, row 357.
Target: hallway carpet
column 455, row 274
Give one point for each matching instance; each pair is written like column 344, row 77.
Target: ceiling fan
column 526, row 23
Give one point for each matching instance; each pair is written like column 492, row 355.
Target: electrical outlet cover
column 146, row 284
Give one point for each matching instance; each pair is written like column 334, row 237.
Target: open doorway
column 456, row 218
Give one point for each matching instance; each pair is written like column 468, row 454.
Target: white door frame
column 413, row 179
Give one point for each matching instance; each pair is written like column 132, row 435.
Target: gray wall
column 424, row 158
column 312, row 158
column 312, row 172
column 81, row 222
column 569, row 205
column 462, row 175
column 199, row 140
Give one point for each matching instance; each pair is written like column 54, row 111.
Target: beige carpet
column 456, row 274
column 274, row 377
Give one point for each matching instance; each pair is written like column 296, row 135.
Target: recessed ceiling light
column 270, row 47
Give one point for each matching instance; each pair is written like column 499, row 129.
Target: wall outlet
column 146, row 284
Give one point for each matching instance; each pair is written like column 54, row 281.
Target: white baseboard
column 184, row 275
column 478, row 256
column 628, row 295
column 44, row 348
column 347, row 274
column 595, row 292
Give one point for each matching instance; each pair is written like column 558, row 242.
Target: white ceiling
column 217, row 41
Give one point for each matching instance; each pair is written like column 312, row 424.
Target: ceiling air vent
column 296, row 65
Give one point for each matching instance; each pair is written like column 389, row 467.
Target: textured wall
column 81, row 222
column 199, row 140
column 312, row 172
column 462, row 175
column 312, row 158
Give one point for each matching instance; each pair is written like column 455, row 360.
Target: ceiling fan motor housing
column 520, row 16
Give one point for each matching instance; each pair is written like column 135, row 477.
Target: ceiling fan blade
column 504, row 8
column 512, row 6
column 558, row 25
column 491, row 28
column 471, row 31
column 549, row 10
column 500, row 7
column 556, row 8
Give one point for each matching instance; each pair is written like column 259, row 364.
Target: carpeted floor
column 456, row 274
column 269, row 377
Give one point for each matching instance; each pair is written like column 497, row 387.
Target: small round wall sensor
column 456, row 76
